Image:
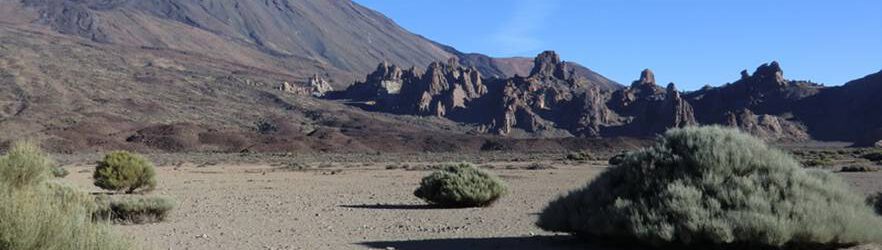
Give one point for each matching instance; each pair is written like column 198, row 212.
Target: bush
column 580, row 157
column 714, row 186
column 134, row 209
column 873, row 156
column 859, row 168
column 59, row 172
column 121, row 170
column 40, row 214
column 460, row 186
column 875, row 201
column 24, row 166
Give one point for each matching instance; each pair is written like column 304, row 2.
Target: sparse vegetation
column 36, row 213
column 134, row 209
column 875, row 201
column 580, row 157
column 715, row 186
column 59, row 172
column 125, row 171
column 859, row 168
column 460, row 185
column 873, row 156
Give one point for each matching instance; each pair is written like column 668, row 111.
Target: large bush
column 125, row 171
column 36, row 213
column 134, row 209
column 714, row 186
column 460, row 186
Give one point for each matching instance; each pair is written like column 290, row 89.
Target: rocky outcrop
column 315, row 86
column 553, row 101
column 767, row 126
column 318, row 87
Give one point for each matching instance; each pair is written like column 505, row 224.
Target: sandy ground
column 253, row 207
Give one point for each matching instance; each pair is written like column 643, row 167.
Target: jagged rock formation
column 315, row 86
column 551, row 101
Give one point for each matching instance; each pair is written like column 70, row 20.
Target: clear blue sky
column 689, row 42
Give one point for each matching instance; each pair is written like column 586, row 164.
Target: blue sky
column 689, row 42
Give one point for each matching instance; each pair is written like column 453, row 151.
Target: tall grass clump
column 713, row 186
column 460, row 185
column 134, row 209
column 125, row 171
column 38, row 213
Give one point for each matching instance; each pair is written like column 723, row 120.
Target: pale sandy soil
column 240, row 207
column 253, row 207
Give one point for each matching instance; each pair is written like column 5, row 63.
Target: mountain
column 210, row 76
column 242, row 76
column 337, row 39
column 553, row 101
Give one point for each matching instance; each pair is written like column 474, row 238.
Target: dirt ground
column 255, row 206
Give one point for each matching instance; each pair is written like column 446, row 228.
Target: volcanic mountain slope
column 552, row 101
column 338, row 39
column 76, row 95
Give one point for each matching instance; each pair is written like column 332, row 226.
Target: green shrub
column 873, row 156
column 121, row 170
column 40, row 214
column 134, row 209
column 59, row 172
column 580, row 156
column 715, row 186
column 460, row 186
column 859, row 168
column 875, row 201
column 24, row 166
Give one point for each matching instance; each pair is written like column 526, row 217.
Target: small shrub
column 59, row 172
column 460, row 186
column 125, row 171
column 875, row 201
column 134, row 209
column 859, row 168
column 822, row 162
column 873, row 156
column 24, row 165
column 617, row 159
column 715, row 186
column 580, row 156
column 539, row 166
column 39, row 214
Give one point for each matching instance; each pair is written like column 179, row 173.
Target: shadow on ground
column 507, row 243
column 393, row 206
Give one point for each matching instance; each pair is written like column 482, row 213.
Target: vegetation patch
column 873, row 156
column 125, row 171
column 134, row 209
column 875, row 201
column 581, row 157
column 713, row 186
column 461, row 185
column 39, row 213
column 859, row 168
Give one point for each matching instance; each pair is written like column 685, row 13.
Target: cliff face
column 553, row 100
